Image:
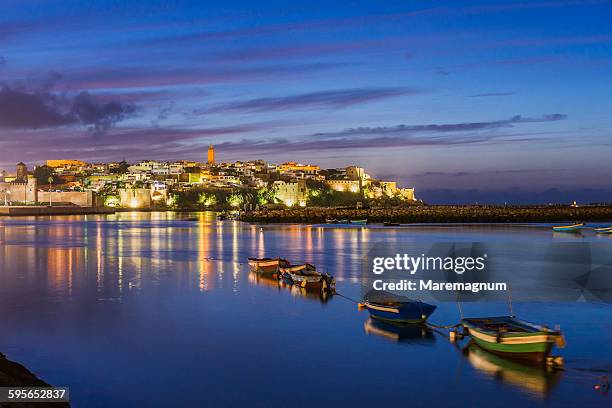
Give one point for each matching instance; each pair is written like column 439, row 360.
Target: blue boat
column 569, row 228
column 387, row 306
column 359, row 222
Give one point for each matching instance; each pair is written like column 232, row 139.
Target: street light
column 50, row 180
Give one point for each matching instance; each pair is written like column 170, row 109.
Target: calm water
column 150, row 309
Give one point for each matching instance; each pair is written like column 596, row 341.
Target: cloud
column 488, row 94
column 442, row 128
column 324, row 99
column 144, row 77
column 24, row 109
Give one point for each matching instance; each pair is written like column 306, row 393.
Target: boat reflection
column 400, row 333
column 322, row 296
column 534, row 379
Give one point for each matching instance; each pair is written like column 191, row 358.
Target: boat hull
column 606, row 230
column 568, row 228
column 415, row 312
column 513, row 338
column 266, row 266
column 530, row 351
column 359, row 222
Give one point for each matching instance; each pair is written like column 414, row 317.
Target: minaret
column 211, row 155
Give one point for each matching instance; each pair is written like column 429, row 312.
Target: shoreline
column 422, row 214
column 436, row 214
column 25, row 211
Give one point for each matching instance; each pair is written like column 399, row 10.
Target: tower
column 22, row 173
column 211, row 155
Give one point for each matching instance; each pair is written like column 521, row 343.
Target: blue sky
column 488, row 101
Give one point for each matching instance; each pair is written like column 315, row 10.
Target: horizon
column 489, row 102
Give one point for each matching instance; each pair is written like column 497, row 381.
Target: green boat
column 511, row 337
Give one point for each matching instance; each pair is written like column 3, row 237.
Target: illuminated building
column 211, row 155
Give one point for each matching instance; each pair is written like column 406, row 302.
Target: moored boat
column 358, row 222
column 394, row 308
column 569, row 228
column 267, row 265
column 603, row 230
column 331, row 221
column 511, row 337
column 307, row 276
column 343, row 221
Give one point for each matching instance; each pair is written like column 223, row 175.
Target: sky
column 479, row 101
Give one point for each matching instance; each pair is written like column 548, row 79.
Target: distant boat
column 267, row 265
column 604, row 230
column 394, row 308
column 307, row 276
column 331, row 221
column 359, row 222
column 569, row 228
column 343, row 221
column 391, row 224
column 511, row 337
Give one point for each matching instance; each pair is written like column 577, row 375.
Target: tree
column 122, row 168
column 43, row 173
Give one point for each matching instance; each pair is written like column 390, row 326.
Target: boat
column 307, row 276
column 267, row 265
column 569, row 228
column 331, row 221
column 391, row 224
column 343, row 221
column 604, row 230
column 358, row 222
column 511, row 337
column 387, row 306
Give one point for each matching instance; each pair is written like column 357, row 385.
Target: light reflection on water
column 116, row 306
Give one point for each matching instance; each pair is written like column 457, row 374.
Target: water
column 151, row 309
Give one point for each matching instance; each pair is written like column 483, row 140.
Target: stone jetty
column 435, row 214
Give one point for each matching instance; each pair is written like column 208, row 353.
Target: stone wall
column 80, row 198
column 19, row 192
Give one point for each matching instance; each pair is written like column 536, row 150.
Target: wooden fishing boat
column 569, row 228
column 394, row 308
column 511, row 337
column 604, row 230
column 307, row 276
column 358, row 222
column 267, row 265
column 391, row 224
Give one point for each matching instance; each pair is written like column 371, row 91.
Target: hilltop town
column 151, row 184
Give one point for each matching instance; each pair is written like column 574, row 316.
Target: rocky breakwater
column 435, row 214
